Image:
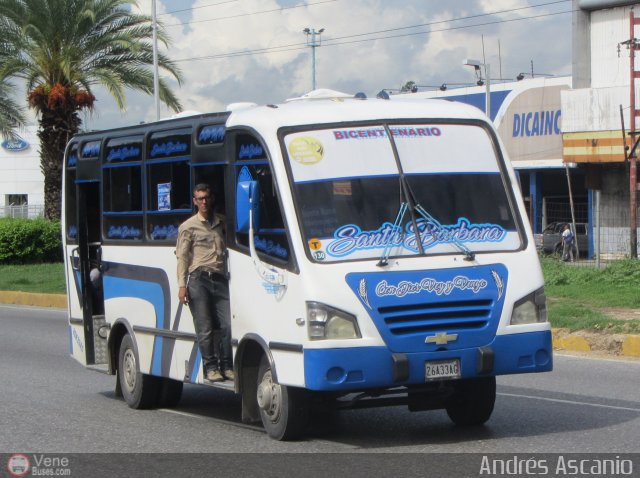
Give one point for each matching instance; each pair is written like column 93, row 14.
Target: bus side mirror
column 247, row 199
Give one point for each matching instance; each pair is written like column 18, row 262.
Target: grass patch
column 576, row 296
column 47, row 278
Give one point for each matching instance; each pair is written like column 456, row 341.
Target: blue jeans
column 209, row 303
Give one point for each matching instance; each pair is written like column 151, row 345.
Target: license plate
column 440, row 369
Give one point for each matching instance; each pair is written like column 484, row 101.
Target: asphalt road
column 51, row 404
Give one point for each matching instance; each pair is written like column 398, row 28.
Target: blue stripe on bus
column 115, row 287
column 156, row 362
column 196, row 367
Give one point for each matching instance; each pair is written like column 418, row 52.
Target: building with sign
column 596, row 110
column 21, row 181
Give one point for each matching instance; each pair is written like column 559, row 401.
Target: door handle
column 75, row 259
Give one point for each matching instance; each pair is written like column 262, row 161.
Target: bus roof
column 309, row 111
column 336, row 110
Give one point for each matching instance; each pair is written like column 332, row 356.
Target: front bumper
column 360, row 368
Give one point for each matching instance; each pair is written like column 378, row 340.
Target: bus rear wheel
column 138, row 390
column 283, row 410
column 472, row 401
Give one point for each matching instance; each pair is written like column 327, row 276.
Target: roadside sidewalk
column 618, row 345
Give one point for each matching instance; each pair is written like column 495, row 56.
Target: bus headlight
column 530, row 309
column 325, row 322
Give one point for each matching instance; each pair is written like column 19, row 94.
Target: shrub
column 30, row 241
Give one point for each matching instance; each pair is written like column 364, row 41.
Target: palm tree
column 62, row 49
column 11, row 114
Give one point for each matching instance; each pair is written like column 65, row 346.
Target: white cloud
column 347, row 64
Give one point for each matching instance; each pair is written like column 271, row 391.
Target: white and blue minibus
column 378, row 253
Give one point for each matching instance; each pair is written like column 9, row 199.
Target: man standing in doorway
column 203, row 285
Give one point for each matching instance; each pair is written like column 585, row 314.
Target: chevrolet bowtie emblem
column 442, row 338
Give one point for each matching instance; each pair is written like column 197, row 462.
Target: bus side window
column 122, row 188
column 271, row 236
column 122, row 202
column 169, row 198
column 71, row 202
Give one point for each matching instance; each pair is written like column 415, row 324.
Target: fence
column 603, row 235
column 27, row 211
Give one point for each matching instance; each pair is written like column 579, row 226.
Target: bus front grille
column 409, row 319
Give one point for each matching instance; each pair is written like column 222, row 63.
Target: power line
column 469, row 17
column 249, row 13
column 333, row 42
column 196, row 8
column 461, row 27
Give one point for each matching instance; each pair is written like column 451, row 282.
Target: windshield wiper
column 413, row 207
column 397, row 227
column 468, row 254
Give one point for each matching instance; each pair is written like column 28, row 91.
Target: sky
column 255, row 50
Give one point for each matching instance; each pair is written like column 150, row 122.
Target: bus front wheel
column 283, row 409
column 138, row 390
column 472, row 401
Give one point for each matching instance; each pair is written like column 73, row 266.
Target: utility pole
column 633, row 45
column 313, row 40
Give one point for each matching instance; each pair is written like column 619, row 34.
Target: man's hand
column 182, row 295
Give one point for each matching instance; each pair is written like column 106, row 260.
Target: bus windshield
column 351, row 191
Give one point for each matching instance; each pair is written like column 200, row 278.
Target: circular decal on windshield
column 315, row 244
column 306, row 150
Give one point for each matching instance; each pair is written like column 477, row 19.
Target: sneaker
column 229, row 375
column 214, row 376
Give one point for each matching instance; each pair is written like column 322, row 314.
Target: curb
column 626, row 345
column 34, row 299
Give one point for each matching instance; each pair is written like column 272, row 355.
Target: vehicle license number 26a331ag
column 436, row 370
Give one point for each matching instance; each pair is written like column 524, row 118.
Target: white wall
column 20, row 170
column 608, row 28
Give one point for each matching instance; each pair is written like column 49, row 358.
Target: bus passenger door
column 87, row 264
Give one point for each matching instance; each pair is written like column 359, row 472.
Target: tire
column 472, row 401
column 170, row 392
column 283, row 410
column 138, row 389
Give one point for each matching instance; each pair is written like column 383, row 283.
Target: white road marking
column 570, row 402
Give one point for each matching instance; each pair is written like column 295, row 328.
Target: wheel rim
column 269, row 397
column 129, row 371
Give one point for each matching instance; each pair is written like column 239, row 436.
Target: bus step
column 100, row 333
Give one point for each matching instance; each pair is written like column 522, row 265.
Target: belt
column 209, row 274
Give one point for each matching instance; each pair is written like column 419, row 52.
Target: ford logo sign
column 15, row 144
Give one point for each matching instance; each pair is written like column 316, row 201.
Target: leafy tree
column 409, row 86
column 62, row 49
column 11, row 114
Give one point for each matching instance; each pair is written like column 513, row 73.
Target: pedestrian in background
column 567, row 243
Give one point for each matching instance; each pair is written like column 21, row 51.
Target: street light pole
column 487, row 82
column 312, row 34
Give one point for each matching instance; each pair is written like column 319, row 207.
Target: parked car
column 550, row 241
